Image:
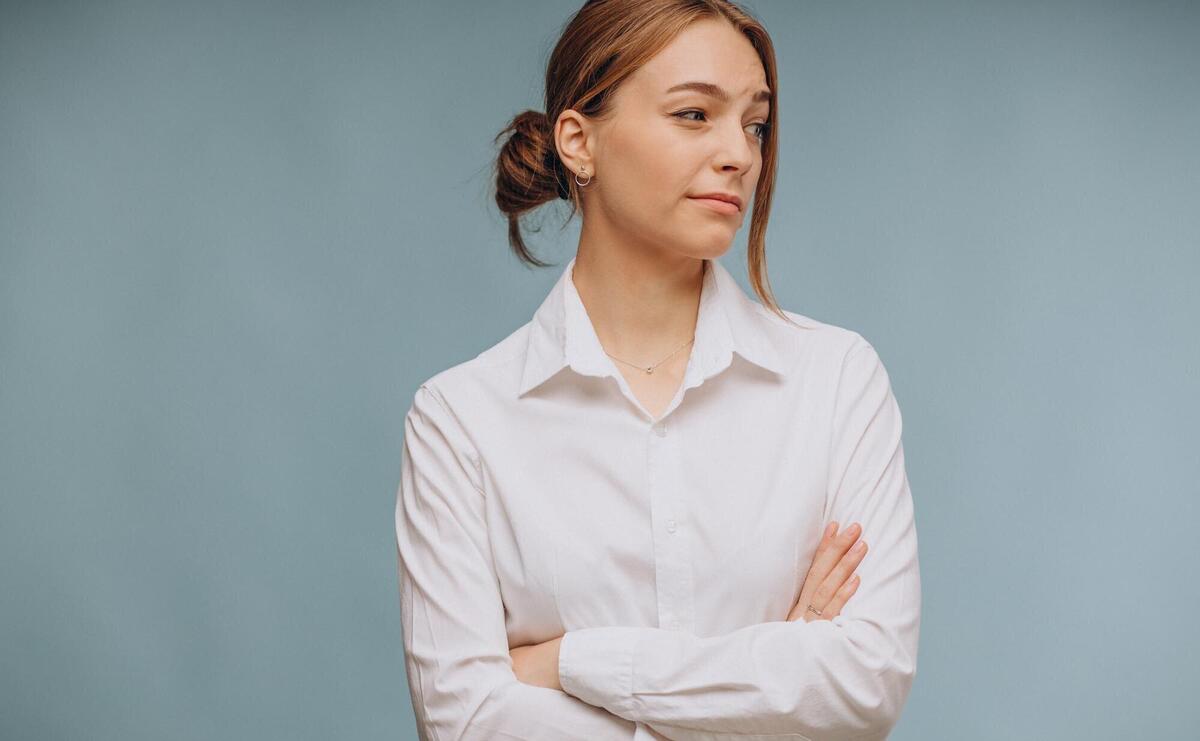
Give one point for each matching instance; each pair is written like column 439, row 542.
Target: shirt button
column 660, row 429
column 670, row 526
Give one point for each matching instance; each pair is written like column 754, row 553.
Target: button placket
column 672, row 565
column 658, row 507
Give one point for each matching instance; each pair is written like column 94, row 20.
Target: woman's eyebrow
column 716, row 91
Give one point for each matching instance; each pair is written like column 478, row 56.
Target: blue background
column 234, row 237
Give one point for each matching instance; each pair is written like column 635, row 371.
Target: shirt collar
column 728, row 321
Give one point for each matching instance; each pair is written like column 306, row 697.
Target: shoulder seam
column 473, row 453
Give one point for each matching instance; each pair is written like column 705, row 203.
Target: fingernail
column 830, row 528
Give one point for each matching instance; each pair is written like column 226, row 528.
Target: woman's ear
column 574, row 137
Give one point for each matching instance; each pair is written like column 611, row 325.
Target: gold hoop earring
column 584, row 171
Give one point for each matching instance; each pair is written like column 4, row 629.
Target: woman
column 621, row 521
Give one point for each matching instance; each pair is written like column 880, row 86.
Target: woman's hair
column 601, row 45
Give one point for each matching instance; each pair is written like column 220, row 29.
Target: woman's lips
column 724, row 207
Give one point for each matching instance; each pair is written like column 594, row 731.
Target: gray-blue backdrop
column 235, row 236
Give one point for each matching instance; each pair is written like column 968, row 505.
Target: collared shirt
column 538, row 498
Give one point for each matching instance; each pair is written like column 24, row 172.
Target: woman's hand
column 828, row 585
column 537, row 664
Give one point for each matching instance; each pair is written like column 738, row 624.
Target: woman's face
column 667, row 143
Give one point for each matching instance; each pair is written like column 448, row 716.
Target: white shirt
column 539, row 498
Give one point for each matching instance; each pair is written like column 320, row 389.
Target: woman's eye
column 761, row 135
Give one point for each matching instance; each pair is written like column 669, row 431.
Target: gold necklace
column 650, row 368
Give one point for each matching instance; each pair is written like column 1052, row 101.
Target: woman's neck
column 642, row 305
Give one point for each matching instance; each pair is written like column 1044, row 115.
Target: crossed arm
column 840, row 679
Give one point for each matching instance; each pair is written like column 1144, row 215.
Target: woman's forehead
column 716, row 55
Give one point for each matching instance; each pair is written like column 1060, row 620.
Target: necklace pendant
column 650, row 369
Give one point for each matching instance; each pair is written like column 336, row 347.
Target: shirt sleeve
column 456, row 647
column 834, row 680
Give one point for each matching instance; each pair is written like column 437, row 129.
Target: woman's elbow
column 880, row 697
column 862, row 704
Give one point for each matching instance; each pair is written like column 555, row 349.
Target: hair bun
column 528, row 172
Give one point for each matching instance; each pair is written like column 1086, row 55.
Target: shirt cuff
column 596, row 665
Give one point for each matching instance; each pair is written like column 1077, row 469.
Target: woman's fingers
column 827, row 557
column 840, row 597
column 841, row 575
column 832, row 565
column 813, row 577
column 839, row 544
